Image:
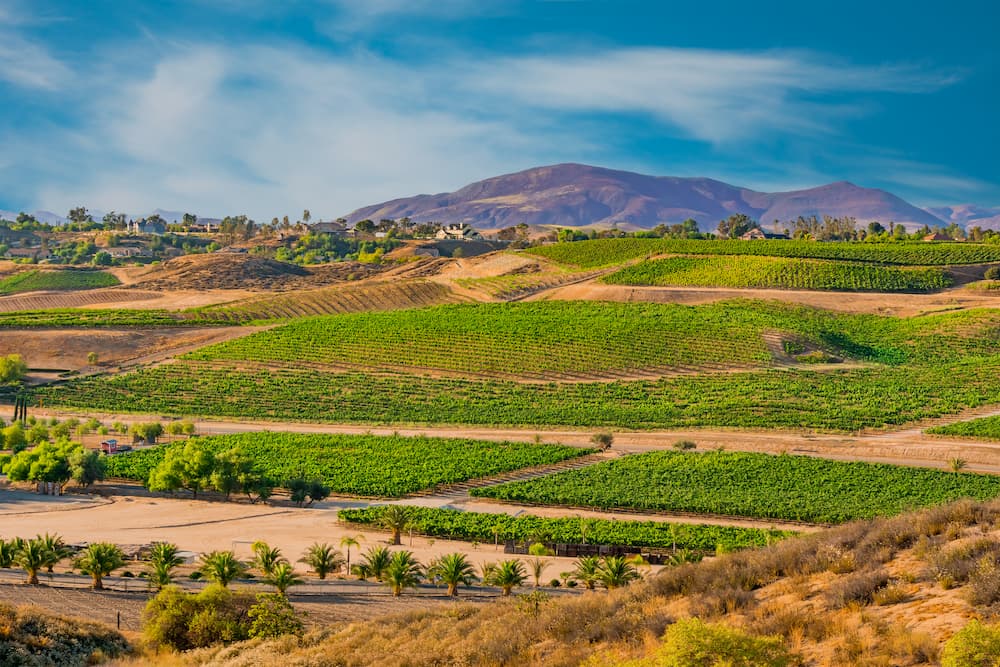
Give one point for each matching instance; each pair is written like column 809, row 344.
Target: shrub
column 984, row 583
column 975, row 645
column 34, row 637
column 992, row 273
column 859, row 587
column 693, row 642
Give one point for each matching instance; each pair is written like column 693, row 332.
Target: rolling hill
column 574, row 195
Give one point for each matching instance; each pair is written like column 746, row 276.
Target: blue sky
column 266, row 108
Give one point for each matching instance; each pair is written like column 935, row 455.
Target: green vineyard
column 780, row 273
column 987, row 428
column 609, row 252
column 364, row 465
column 29, row 281
column 104, row 317
column 799, row 488
column 844, row 400
column 577, row 338
column 488, row 528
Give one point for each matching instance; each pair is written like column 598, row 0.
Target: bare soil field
column 235, row 271
column 98, row 298
column 67, row 349
column 899, row 305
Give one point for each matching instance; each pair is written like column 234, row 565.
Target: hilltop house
column 157, row 227
column 758, row 234
column 460, row 231
column 334, row 228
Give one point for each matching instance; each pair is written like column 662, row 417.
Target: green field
column 913, row 368
column 844, row 400
column 799, row 488
column 29, row 281
column 987, row 428
column 780, row 273
column 364, row 465
column 609, row 252
column 105, row 317
column 488, row 528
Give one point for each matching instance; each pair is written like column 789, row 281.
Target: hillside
column 573, row 195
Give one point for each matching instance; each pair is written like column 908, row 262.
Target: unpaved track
column 900, row 305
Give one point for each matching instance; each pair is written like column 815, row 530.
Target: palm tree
column 537, row 564
column 323, row 559
column 222, row 567
column 99, row 560
column 163, row 558
column 266, row 558
column 616, row 572
column 587, row 571
column 56, row 547
column 376, row 559
column 397, row 519
column 453, row 570
column 8, row 552
column 508, row 574
column 32, row 556
column 349, row 542
column 282, row 577
column 402, row 571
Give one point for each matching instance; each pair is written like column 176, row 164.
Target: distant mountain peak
column 573, row 195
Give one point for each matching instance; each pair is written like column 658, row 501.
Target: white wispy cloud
column 272, row 129
column 716, row 96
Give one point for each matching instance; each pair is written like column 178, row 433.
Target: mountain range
column 574, row 195
column 577, row 195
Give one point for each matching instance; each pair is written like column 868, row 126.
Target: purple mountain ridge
column 575, row 195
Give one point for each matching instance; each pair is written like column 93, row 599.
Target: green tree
column 8, row 553
column 616, row 571
column 537, row 564
column 229, row 470
column 14, row 438
column 56, row 548
column 47, row 463
column 347, row 542
column 99, row 560
column 453, row 570
column 164, row 558
column 266, row 557
column 31, row 557
column 396, row 518
column 375, row 560
column 403, row 571
column 736, row 226
column 323, row 559
column 188, row 468
column 86, row 467
column 587, row 571
column 283, row 577
column 12, row 369
column 148, row 432
column 222, row 567
column 507, row 575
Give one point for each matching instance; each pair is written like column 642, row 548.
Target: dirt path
column 900, row 305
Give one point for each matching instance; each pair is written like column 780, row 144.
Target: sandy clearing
column 67, row 349
column 900, row 305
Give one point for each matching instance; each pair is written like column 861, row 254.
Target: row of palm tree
column 44, row 552
column 399, row 570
